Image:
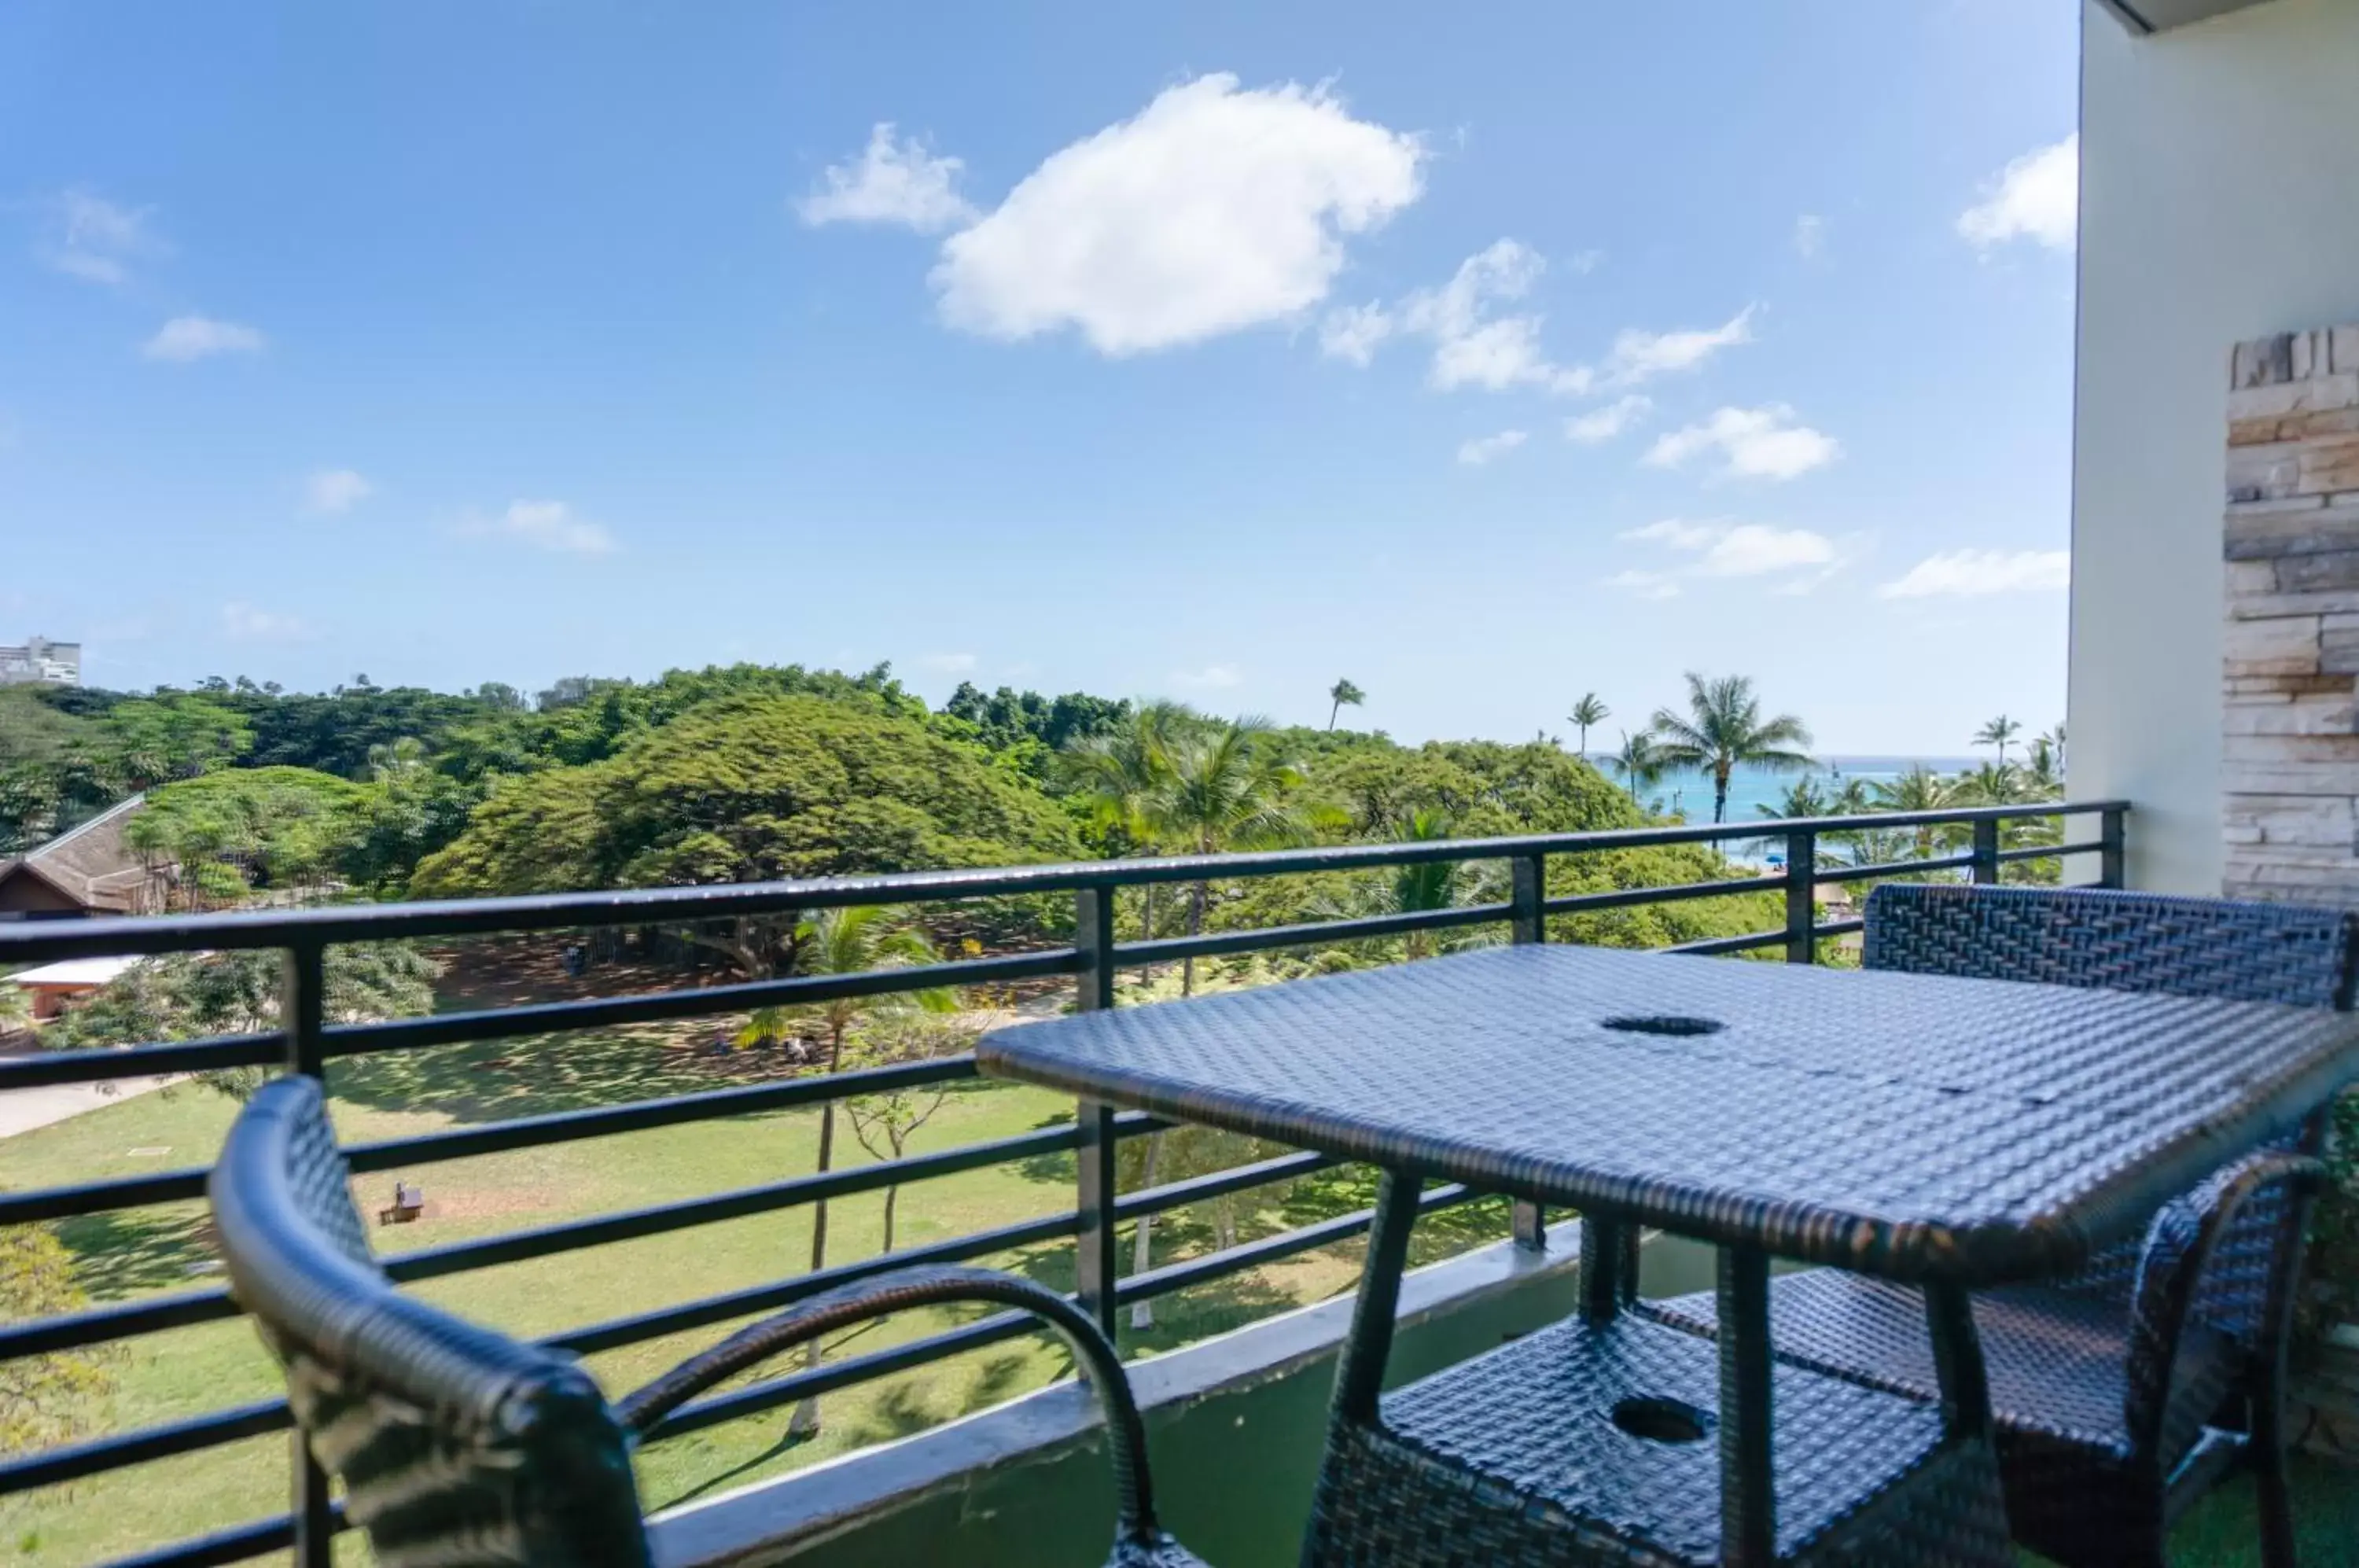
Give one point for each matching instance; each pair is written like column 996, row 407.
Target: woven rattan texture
column 2059, row 1361
column 2100, row 1391
column 1515, row 1458
column 1903, row 1124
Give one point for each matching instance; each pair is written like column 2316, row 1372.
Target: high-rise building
column 42, row 660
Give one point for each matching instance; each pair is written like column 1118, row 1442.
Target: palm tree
column 2001, row 733
column 842, row 941
column 1723, row 730
column 1221, row 787
column 395, row 760
column 1346, row 695
column 1919, row 790
column 2043, row 769
column 1639, row 761
column 1802, row 798
column 1587, row 712
column 1118, row 771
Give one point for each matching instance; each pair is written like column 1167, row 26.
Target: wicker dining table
column 1951, row 1133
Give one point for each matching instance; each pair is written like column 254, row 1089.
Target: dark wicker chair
column 2125, row 1392
column 457, row 1446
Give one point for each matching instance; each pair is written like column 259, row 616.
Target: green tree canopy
column 747, row 790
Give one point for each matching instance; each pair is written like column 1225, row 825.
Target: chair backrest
column 2231, row 948
column 456, row 1445
column 2095, row 937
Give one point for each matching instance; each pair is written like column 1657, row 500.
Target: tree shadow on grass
column 483, row 1081
column 131, row 1252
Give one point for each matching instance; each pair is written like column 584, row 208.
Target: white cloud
column 1475, row 345
column 1799, row 558
column 892, row 181
column 1483, row 449
column 1604, row 424
column 243, row 623
column 1809, row 235
column 87, row 236
column 1212, row 677
column 1474, row 348
column 1643, row 355
column 2035, row 197
column 1587, row 261
column 1216, row 208
column 1977, row 573
column 186, row 337
column 547, row 525
column 1754, row 443
column 336, row 490
column 948, row 663
column 1354, row 332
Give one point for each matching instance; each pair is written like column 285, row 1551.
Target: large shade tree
column 750, row 789
column 1723, row 729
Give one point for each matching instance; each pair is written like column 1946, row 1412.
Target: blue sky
column 1486, row 357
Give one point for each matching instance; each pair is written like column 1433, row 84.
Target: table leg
column 1958, row 1360
column 1609, row 1267
column 1360, row 1372
column 1749, row 1500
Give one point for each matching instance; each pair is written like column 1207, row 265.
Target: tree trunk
column 804, row 1422
column 1331, row 715
column 892, row 1195
column 1719, row 795
column 1197, row 898
column 1147, row 931
column 1142, row 1313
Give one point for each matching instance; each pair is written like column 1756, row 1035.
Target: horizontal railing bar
column 1840, row 928
column 603, row 1121
column 101, row 1064
column 618, row 1332
column 1721, row 945
column 1170, row 949
column 98, row 1197
column 1196, row 1189
column 1268, row 1249
column 657, row 1219
column 239, row 1543
column 26, row 942
column 826, row 1379
column 73, row 1462
column 95, row 1325
column 1893, row 868
column 1627, row 897
column 655, row 1007
column 2050, row 852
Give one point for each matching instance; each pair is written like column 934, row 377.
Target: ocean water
column 1751, row 789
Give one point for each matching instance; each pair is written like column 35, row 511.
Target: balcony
column 629, row 1204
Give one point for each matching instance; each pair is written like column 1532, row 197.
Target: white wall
column 2219, row 200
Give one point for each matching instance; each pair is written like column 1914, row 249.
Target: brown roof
column 91, row 864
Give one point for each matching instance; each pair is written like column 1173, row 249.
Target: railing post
column 1529, row 892
column 1095, row 1184
column 1801, row 903
column 1984, row 870
column 302, row 1014
column 2111, row 871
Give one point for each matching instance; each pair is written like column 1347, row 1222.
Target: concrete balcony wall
column 1236, row 1425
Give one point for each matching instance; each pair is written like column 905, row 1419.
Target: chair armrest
column 922, row 1286
column 2181, row 1247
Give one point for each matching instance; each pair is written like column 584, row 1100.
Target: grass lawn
column 186, row 1372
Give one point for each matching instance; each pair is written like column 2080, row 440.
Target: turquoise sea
column 1750, row 789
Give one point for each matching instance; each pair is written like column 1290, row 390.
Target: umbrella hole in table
column 1661, row 1420
column 1670, row 1024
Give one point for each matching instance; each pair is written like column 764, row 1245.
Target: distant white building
column 40, row 660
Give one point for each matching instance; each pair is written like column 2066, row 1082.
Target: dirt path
column 22, row 1110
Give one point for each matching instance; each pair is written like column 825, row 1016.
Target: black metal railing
column 305, row 1042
